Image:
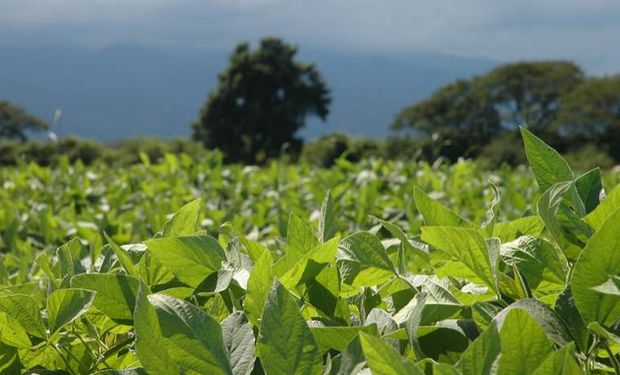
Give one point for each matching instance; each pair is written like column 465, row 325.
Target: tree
column 463, row 116
column 457, row 117
column 591, row 114
column 261, row 101
column 15, row 122
column 529, row 92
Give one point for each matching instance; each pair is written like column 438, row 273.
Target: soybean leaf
column 605, row 209
column 300, row 237
column 523, row 342
column 116, row 294
column 327, row 219
column 510, row 230
column 363, row 260
column 123, row 257
column 259, row 285
column 383, row 359
column 239, row 342
column 295, row 271
column 150, row 345
column 435, row 213
column 190, row 259
column 589, row 186
column 25, row 310
column 66, row 305
column 184, row 221
column 560, row 362
column 285, row 342
column 192, row 338
column 466, row 245
column 480, row 356
column 599, row 261
column 12, row 333
column 548, row 166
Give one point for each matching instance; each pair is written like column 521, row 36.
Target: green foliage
column 260, row 103
column 197, row 267
column 16, row 123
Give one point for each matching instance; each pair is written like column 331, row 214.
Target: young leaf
column 599, row 261
column 116, row 294
column 300, row 237
column 435, row 213
column 327, row 220
column 524, row 344
column 548, row 165
column 239, row 342
column 259, row 284
column 383, row 359
column 589, row 187
column 184, row 221
column 192, row 338
column 363, row 260
column 24, row 310
column 190, row 259
column 285, row 343
column 467, row 245
column 66, row 305
column 150, row 345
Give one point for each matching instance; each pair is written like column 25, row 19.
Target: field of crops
column 196, row 267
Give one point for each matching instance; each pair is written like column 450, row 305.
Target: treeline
column 264, row 96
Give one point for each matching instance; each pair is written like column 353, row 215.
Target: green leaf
column 466, row 245
column 190, row 259
column 599, row 261
column 544, row 267
column 327, row 219
column 408, row 246
column 382, row 359
column 239, row 342
column 435, row 213
column 123, row 257
column 363, row 260
column 300, row 237
column 560, row 362
column 524, row 344
column 548, row 166
column 605, row 209
column 66, row 305
column 296, row 271
column 184, row 221
column 12, row 333
column 338, row 338
column 127, row 371
column 150, row 345
column 9, row 360
column 25, row 310
column 285, row 343
column 567, row 311
column 259, row 285
column 479, row 357
column 116, row 294
column 352, row 359
column 510, row 230
column 589, row 186
column 552, row 325
column 611, row 286
column 192, row 338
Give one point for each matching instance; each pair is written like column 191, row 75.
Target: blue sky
column 585, row 31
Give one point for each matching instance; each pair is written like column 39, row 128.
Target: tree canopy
column 554, row 98
column 15, row 122
column 262, row 99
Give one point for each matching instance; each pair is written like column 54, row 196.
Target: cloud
column 585, row 30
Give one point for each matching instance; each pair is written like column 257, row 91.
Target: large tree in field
column 15, row 122
column 262, row 100
column 469, row 113
column 591, row 113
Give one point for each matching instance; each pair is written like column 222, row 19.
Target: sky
column 585, row 31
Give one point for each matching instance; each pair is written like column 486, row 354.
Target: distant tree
column 591, row 114
column 458, row 117
column 529, row 92
column 261, row 101
column 463, row 116
column 15, row 122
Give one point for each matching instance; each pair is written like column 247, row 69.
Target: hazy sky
column 587, row 31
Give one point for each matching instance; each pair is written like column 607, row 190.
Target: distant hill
column 128, row 90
